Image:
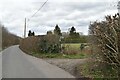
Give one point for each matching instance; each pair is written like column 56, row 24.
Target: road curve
column 17, row 64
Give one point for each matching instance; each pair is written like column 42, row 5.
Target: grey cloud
column 82, row 6
column 66, row 15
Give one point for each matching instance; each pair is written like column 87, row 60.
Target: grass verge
column 59, row 55
column 98, row 71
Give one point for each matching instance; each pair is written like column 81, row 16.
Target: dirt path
column 70, row 65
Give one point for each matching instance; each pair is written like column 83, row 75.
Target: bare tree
column 8, row 39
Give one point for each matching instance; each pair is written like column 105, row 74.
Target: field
column 72, row 45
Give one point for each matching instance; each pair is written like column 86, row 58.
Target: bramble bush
column 106, row 35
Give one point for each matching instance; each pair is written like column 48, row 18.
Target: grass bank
column 98, row 71
column 60, row 56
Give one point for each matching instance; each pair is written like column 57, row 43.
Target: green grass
column 100, row 72
column 72, row 45
column 77, row 45
column 59, row 55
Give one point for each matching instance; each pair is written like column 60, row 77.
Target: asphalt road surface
column 17, row 64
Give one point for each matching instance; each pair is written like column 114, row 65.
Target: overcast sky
column 65, row 13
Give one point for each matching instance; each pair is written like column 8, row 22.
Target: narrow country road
column 17, row 64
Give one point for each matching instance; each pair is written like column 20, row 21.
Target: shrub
column 71, row 52
column 50, row 44
column 30, row 44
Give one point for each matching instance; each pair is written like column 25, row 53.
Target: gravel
column 69, row 65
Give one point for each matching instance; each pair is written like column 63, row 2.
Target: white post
column 25, row 29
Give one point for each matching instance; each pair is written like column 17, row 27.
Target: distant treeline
column 66, row 37
column 8, row 39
